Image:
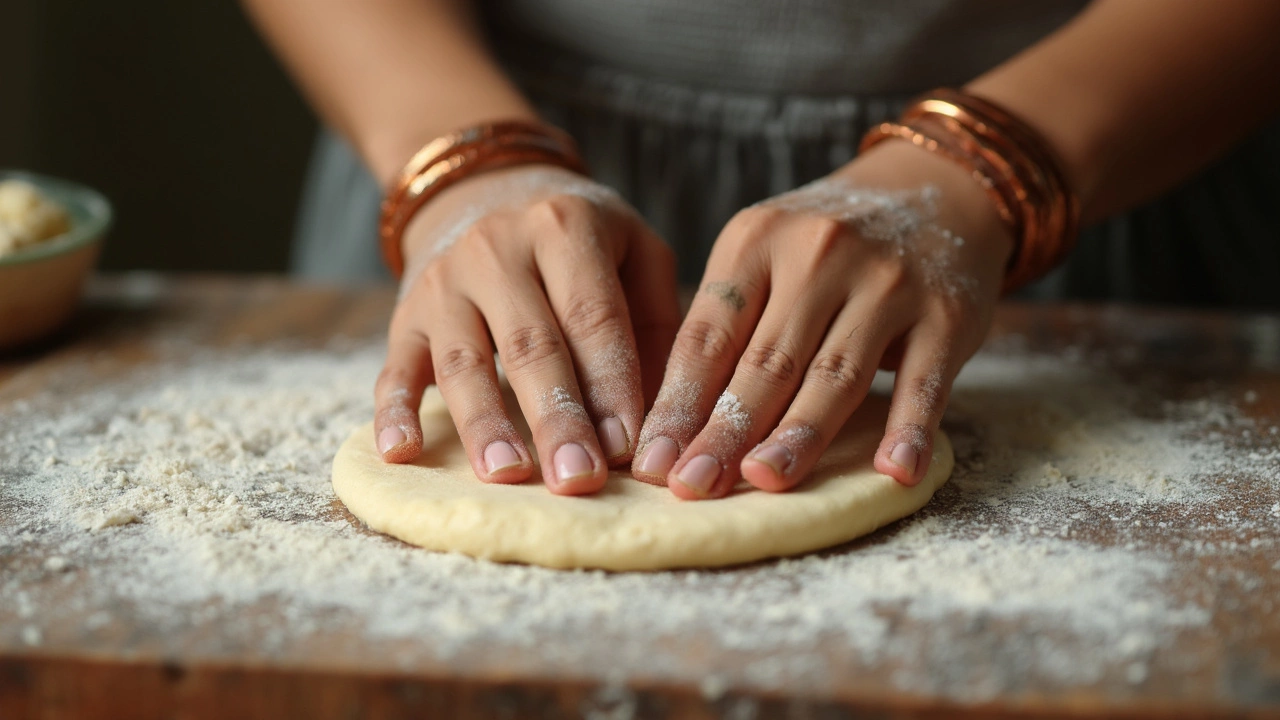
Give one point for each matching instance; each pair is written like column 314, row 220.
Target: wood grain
column 124, row 671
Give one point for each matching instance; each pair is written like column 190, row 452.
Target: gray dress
column 696, row 109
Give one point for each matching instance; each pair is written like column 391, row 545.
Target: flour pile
column 195, row 494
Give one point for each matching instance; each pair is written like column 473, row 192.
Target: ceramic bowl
column 41, row 285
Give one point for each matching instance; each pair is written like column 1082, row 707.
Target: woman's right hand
column 578, row 295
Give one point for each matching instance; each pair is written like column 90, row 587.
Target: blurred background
column 175, row 110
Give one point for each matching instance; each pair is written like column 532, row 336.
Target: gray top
column 801, row 47
column 694, row 109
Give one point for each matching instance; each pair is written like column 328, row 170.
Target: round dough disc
column 438, row 503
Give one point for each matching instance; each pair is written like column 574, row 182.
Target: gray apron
column 694, row 110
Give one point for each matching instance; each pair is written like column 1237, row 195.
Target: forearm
column 1136, row 95
column 390, row 75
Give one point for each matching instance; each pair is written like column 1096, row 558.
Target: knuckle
column 702, row 341
column 840, row 373
column 457, row 360
column 531, row 344
column 560, row 210
column 431, row 288
column 824, row 239
column 591, row 315
column 744, row 231
column 770, row 363
column 483, row 246
column 434, row 275
column 757, row 219
column 826, row 234
column 892, row 278
column 482, row 233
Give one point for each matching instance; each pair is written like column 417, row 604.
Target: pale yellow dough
column 439, row 504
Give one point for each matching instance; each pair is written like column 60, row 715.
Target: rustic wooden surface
column 334, row 676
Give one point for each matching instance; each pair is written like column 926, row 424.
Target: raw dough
column 28, row 217
column 439, row 504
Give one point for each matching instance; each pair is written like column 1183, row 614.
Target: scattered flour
column 799, row 435
column 558, row 401
column 903, row 221
column 731, row 430
column 730, row 409
column 617, row 373
column 31, row 635
column 797, row 439
column 189, row 494
column 675, row 413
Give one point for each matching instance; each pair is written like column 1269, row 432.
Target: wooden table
column 129, row 673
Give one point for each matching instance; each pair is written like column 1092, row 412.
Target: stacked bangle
column 1010, row 160
column 458, row 155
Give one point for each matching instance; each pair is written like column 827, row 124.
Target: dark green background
column 175, row 110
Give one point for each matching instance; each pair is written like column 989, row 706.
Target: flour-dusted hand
column 578, row 296
column 895, row 261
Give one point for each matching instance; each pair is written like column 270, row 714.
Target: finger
column 706, row 349
column 398, row 393
column 540, row 370
column 763, row 384
column 648, row 275
column 586, row 297
column 920, row 391
column 835, row 384
column 468, row 380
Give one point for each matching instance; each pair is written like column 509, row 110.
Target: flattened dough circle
column 438, row 503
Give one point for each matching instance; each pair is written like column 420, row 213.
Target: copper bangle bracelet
column 459, row 155
column 937, row 143
column 1053, row 206
column 1012, row 163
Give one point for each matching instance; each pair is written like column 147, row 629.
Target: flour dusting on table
column 195, row 493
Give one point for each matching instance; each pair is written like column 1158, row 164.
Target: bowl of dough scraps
column 50, row 233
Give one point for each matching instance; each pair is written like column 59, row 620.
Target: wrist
column 494, row 197
column 458, row 206
column 451, row 158
column 1013, row 163
column 963, row 207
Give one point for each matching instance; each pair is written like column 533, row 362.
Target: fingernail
column 904, row 456
column 572, row 462
column 775, row 456
column 390, row 437
column 500, row 456
column 659, row 457
column 699, row 474
column 613, row 437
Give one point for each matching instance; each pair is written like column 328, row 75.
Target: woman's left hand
column 894, row 261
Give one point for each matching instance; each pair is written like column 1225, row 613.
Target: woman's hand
column 894, row 261
column 577, row 294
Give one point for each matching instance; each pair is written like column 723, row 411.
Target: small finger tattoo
column 729, row 293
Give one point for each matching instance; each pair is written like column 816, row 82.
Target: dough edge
column 713, row 533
